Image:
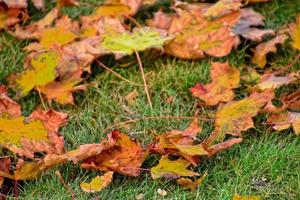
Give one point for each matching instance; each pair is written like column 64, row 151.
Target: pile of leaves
column 62, row 51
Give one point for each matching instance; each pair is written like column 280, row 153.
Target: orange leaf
column 7, row 105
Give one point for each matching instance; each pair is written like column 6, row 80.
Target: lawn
column 265, row 164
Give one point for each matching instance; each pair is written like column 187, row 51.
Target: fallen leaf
column 171, row 169
column 11, row 16
column 64, row 3
column 214, row 149
column 295, row 33
column 133, row 4
column 239, row 197
column 285, row 120
column 189, row 184
column 98, row 183
column 224, row 79
column 291, row 100
column 23, row 3
column 125, row 157
column 127, row 43
column 235, row 117
column 131, row 97
column 4, row 167
column 222, row 7
column 42, row 72
column 7, row 105
column 271, row 81
column 259, row 58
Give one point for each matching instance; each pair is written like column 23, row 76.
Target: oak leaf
column 170, row 169
column 98, row 183
column 224, row 79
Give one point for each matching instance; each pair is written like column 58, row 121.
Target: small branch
column 151, row 118
column 144, row 79
column 58, row 174
column 116, row 74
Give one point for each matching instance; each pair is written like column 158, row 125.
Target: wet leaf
column 224, row 79
column 170, row 169
column 98, row 183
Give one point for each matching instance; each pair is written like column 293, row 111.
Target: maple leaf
column 139, row 40
column 7, row 105
column 4, row 167
column 222, row 7
column 189, row 184
column 11, row 16
column 42, row 72
column 285, row 120
column 261, row 50
column 134, row 5
column 125, row 157
column 235, row 117
column 98, row 183
column 292, row 100
column 224, row 79
column 171, row 169
column 214, row 149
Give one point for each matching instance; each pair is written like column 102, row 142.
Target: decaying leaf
column 235, row 117
column 125, row 157
column 7, row 105
column 189, row 184
column 98, row 183
column 261, row 50
column 224, row 79
column 285, row 120
column 171, row 169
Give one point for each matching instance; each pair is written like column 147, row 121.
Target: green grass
column 265, row 164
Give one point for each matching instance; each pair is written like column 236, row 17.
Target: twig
column 150, row 118
column 133, row 21
column 144, row 79
column 297, row 58
column 116, row 74
column 40, row 95
column 58, row 174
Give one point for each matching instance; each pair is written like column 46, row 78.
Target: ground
column 265, row 164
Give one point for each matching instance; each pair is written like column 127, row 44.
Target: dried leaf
column 189, row 184
column 4, row 167
column 131, row 97
column 7, row 105
column 214, row 149
column 11, row 16
column 125, row 157
column 98, row 183
column 224, row 79
column 292, row 100
column 261, row 50
column 171, row 169
column 222, row 7
column 133, row 4
column 284, row 121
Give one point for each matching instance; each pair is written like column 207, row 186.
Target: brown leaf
column 125, row 157
column 224, row 79
column 261, row 50
column 4, row 167
column 7, row 105
column 189, row 184
column 292, row 100
column 11, row 16
column 214, row 149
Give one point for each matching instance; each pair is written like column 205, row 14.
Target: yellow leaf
column 191, row 150
column 171, row 169
column 98, row 183
column 56, row 36
column 222, row 7
column 113, row 10
column 295, row 34
column 42, row 72
column 189, row 184
column 12, row 131
column 238, row 197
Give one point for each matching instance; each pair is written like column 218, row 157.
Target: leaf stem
column 40, row 95
column 144, row 78
column 116, row 74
